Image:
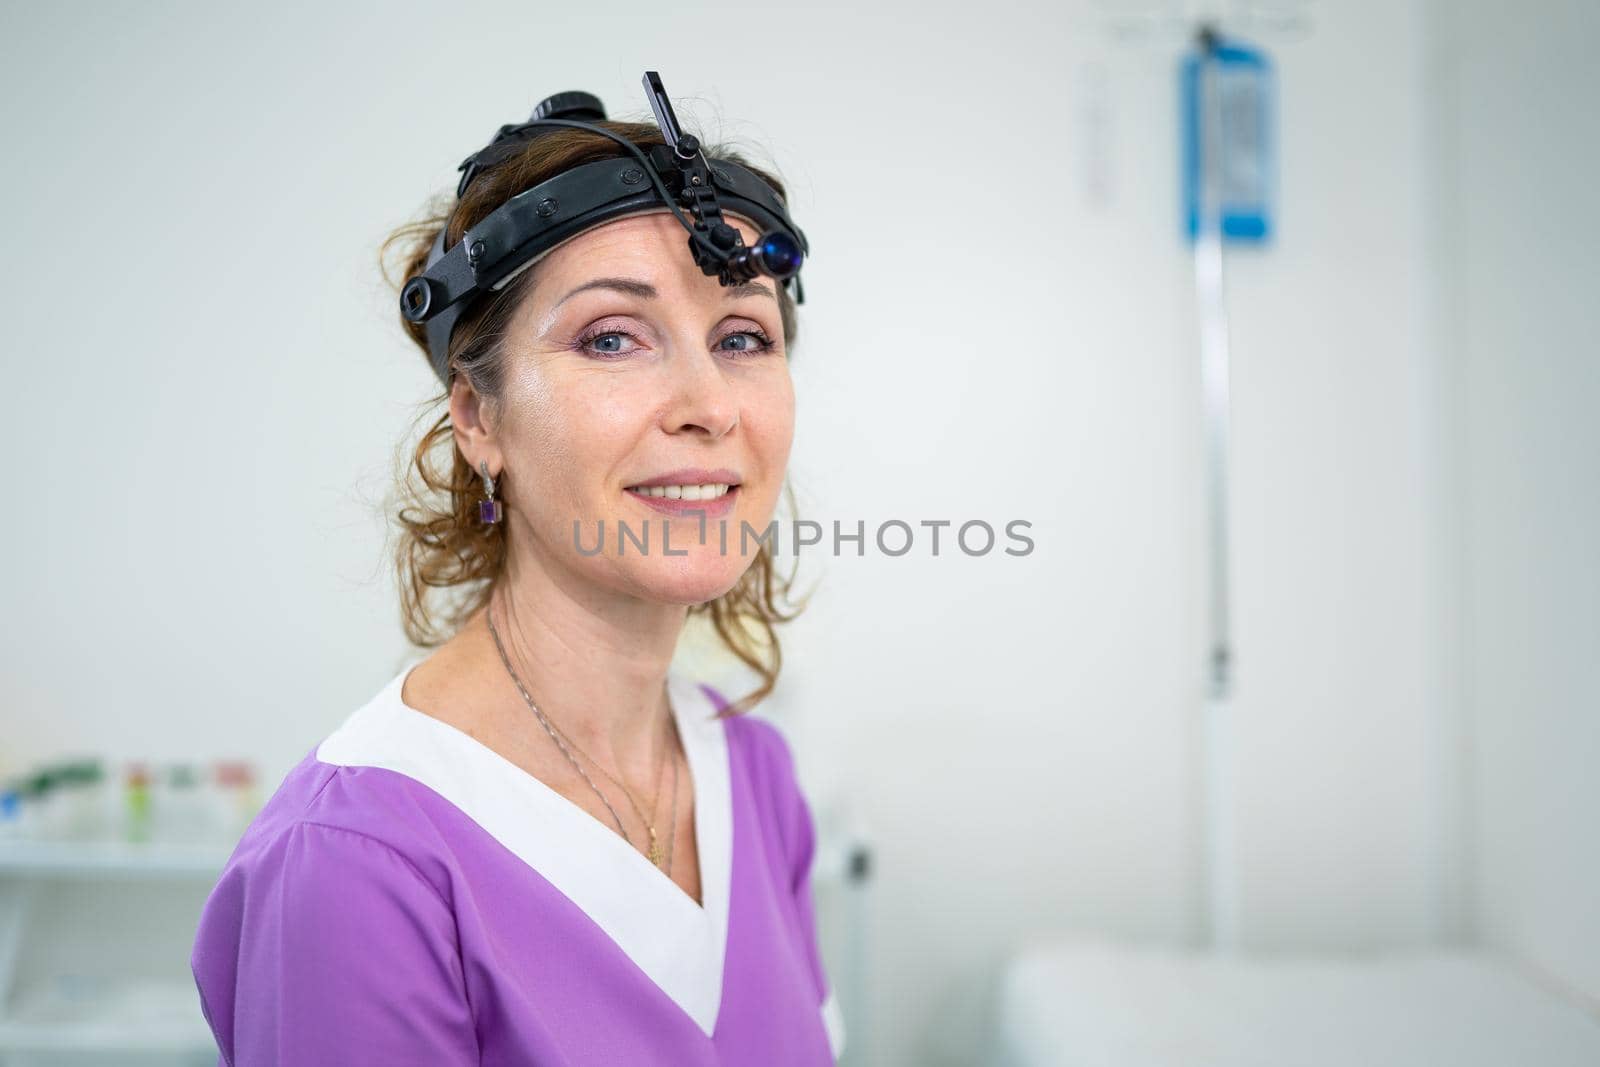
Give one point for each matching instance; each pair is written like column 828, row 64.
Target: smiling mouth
column 684, row 492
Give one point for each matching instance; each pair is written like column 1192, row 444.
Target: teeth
column 684, row 492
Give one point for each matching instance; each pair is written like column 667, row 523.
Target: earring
column 489, row 510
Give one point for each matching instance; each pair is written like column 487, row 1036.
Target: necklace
column 672, row 838
column 655, row 800
column 562, row 741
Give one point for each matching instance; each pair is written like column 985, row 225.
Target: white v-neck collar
column 679, row 944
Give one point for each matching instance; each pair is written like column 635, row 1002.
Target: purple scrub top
column 408, row 896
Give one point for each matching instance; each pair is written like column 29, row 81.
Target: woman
column 541, row 844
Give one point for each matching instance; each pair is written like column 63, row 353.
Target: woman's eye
column 753, row 341
column 609, row 343
column 617, row 343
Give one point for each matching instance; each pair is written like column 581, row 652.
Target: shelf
column 836, row 859
column 79, row 859
column 130, row 1019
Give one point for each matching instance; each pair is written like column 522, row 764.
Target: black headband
column 676, row 176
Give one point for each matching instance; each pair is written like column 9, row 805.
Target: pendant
column 656, row 855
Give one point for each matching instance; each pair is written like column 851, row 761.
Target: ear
column 473, row 419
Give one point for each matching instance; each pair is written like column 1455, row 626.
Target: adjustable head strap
column 534, row 221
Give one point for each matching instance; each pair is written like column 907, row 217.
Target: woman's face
column 627, row 366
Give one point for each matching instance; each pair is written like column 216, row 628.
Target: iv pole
column 1219, row 873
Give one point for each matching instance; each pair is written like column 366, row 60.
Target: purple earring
column 489, row 510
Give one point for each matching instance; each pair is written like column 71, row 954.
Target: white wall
column 1518, row 95
column 208, row 381
column 1337, row 694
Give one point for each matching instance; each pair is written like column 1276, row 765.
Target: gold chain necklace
column 562, row 741
column 672, row 838
column 656, row 854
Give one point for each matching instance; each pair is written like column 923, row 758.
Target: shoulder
column 330, row 912
column 327, row 821
column 761, row 749
column 759, row 742
column 333, row 853
column 348, row 799
column 756, row 746
column 763, row 746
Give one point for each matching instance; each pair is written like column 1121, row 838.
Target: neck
column 594, row 662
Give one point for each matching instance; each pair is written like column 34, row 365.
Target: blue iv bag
column 1242, row 79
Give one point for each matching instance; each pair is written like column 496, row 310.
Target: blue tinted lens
column 780, row 254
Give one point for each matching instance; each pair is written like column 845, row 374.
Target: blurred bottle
column 39, row 811
column 10, row 810
column 181, row 811
column 236, row 800
column 137, row 819
column 81, row 800
column 66, row 801
column 78, row 800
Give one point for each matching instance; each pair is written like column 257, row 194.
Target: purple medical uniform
column 408, row 896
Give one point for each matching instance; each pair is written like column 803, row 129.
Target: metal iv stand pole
column 1219, row 889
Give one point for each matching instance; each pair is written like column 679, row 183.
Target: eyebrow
column 646, row 291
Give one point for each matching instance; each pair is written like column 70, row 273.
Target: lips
column 691, row 491
column 716, row 506
column 686, row 476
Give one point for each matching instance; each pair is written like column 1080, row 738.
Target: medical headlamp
column 676, row 175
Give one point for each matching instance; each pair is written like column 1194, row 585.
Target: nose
column 702, row 396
